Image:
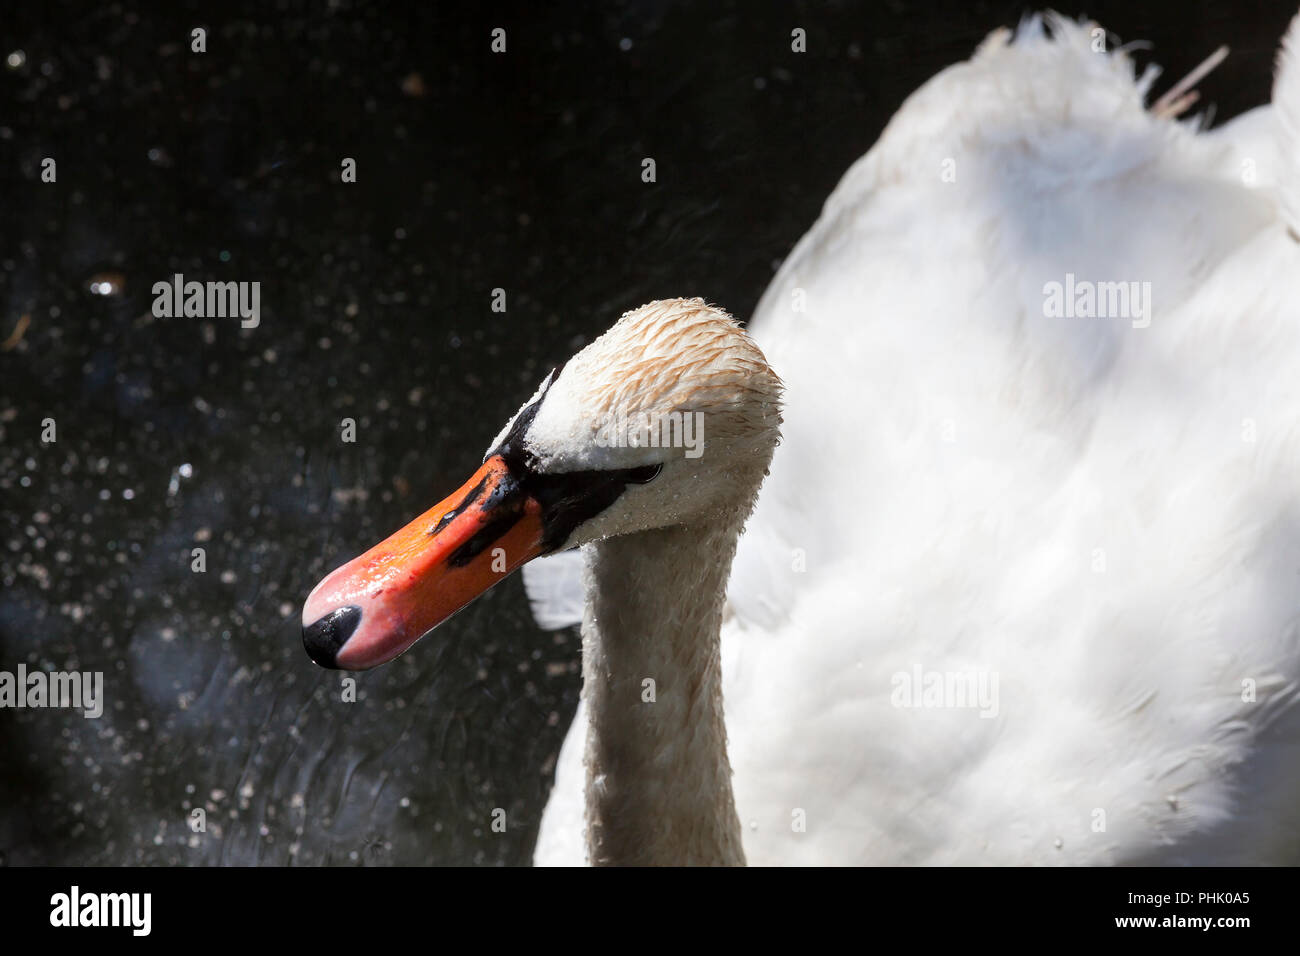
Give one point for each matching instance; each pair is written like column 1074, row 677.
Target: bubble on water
column 106, row 283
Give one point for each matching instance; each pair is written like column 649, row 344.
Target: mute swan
column 1020, row 587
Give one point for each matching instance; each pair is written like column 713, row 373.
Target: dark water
column 476, row 171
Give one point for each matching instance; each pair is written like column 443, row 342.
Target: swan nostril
column 324, row 639
column 643, row 476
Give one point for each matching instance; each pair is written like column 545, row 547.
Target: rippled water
column 475, row 172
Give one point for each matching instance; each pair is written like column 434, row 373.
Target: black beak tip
column 324, row 639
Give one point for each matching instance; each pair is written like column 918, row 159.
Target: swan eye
column 643, row 476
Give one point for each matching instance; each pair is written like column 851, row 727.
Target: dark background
column 475, row 171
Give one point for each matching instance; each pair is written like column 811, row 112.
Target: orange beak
column 376, row 606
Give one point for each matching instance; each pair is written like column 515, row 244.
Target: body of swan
column 1023, row 585
column 1092, row 518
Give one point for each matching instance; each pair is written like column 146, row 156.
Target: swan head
column 668, row 419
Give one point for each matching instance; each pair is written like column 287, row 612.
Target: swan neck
column 658, row 778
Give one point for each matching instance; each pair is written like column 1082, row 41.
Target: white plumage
column 1100, row 516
